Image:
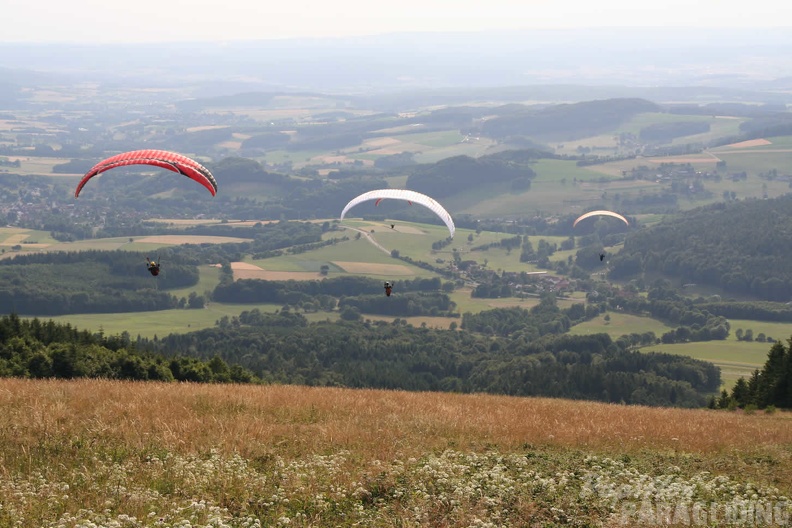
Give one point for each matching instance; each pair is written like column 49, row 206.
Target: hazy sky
column 185, row 20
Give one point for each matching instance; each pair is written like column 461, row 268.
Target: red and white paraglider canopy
column 157, row 158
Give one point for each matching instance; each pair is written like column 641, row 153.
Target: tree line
column 284, row 348
column 31, row 348
column 767, row 388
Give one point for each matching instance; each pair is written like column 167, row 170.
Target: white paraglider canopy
column 407, row 196
column 600, row 213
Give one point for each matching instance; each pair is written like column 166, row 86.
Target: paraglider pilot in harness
column 152, row 266
column 388, row 288
column 602, row 256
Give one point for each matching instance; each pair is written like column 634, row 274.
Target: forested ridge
column 32, row 348
column 284, row 348
column 743, row 247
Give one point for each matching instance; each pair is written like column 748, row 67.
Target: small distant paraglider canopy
column 600, row 213
column 407, row 196
column 157, row 158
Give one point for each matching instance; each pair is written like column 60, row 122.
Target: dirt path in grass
column 370, row 239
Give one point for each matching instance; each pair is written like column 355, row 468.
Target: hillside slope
column 165, row 455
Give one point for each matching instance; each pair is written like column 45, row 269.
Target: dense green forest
column 742, row 247
column 89, row 281
column 462, row 173
column 283, row 347
column 32, row 348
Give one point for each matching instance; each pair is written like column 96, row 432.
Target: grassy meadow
column 736, row 359
column 110, row 453
column 620, row 324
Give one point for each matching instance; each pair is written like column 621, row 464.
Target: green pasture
column 752, row 187
column 719, row 127
column 474, row 149
column 754, row 161
column 620, row 324
column 353, row 250
column 360, row 250
column 501, row 259
column 42, row 166
column 465, row 303
column 735, row 358
column 298, row 157
column 551, row 170
column 778, row 331
column 640, row 121
column 443, row 138
column 163, row 322
column 600, row 145
column 208, row 279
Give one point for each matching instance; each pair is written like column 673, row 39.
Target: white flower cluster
column 452, row 488
column 671, row 498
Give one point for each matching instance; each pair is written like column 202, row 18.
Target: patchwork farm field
column 109, row 453
column 30, row 240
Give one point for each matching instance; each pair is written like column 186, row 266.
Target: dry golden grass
column 381, row 142
column 15, row 239
column 109, row 453
column 750, row 143
column 242, row 418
